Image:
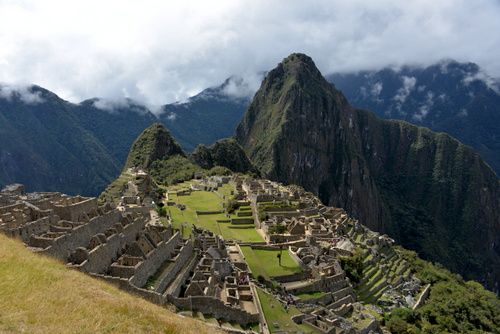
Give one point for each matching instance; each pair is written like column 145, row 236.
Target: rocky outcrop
column 427, row 190
column 226, row 153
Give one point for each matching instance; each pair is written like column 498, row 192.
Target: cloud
column 243, row 87
column 172, row 116
column 492, row 83
column 161, row 52
column 24, row 92
column 423, row 109
column 403, row 92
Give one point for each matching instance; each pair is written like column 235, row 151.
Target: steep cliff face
column 225, row 153
column 299, row 129
column 426, row 190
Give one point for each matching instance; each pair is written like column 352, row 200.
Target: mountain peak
column 154, row 143
column 394, row 177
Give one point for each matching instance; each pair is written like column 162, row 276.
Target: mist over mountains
column 456, row 98
column 451, row 97
column 49, row 144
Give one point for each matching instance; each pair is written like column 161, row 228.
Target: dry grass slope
column 39, row 295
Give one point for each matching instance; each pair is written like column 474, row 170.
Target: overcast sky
column 158, row 52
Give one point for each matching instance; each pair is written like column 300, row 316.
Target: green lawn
column 208, row 201
column 310, row 295
column 265, row 262
column 274, row 313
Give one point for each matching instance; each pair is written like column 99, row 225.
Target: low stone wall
column 292, row 277
column 81, row 235
column 327, row 284
column 125, row 285
column 72, row 211
column 100, row 258
column 209, row 305
column 177, row 290
column 209, row 212
column 237, row 221
column 423, row 297
column 25, row 231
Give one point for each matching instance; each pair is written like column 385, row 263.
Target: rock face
column 427, row 190
column 225, row 152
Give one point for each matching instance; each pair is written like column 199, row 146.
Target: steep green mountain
column 154, row 143
column 157, row 152
column 427, row 190
column 45, row 147
column 456, row 98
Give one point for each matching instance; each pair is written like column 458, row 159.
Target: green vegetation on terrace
column 309, row 295
column 275, row 313
column 266, row 264
column 217, row 222
column 454, row 306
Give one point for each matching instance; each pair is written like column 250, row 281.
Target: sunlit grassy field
column 209, row 201
column 40, row 295
column 265, row 262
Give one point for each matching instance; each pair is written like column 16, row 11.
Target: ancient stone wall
column 25, row 231
column 80, row 235
column 178, row 262
column 72, row 208
column 209, row 305
column 155, row 259
column 101, row 257
column 176, row 291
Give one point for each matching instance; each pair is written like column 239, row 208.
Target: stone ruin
column 126, row 248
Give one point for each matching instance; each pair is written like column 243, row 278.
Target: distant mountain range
column 451, row 97
column 50, row 144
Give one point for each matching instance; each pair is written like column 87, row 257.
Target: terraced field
column 217, row 222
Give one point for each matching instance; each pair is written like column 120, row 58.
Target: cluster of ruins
column 128, row 246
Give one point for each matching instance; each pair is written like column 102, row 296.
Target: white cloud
column 423, row 109
column 172, row 116
column 403, row 92
column 24, row 92
column 490, row 82
column 159, row 52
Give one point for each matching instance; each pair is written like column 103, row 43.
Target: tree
column 278, row 229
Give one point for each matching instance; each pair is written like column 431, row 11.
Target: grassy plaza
column 266, row 262
column 218, row 223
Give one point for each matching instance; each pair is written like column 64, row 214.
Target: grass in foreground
column 40, row 295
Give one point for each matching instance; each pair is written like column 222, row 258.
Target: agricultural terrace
column 218, row 223
column 275, row 313
column 265, row 262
